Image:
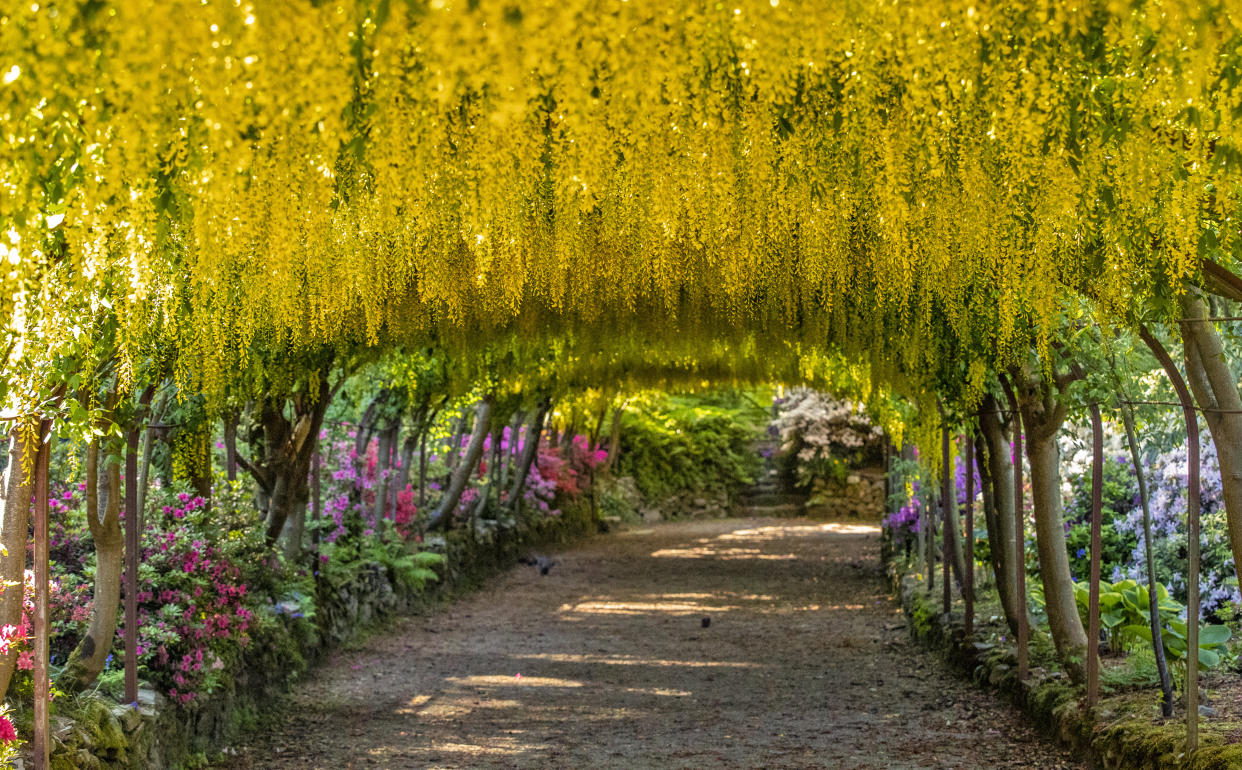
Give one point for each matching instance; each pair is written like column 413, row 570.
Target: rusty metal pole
column 946, row 499
column 316, row 494
column 1019, row 529
column 131, row 566
column 1093, row 602
column 41, row 741
column 968, row 577
column 930, row 515
column 1192, row 527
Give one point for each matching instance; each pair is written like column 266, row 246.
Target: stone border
column 103, row 734
column 1104, row 739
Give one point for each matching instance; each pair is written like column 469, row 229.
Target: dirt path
column 605, row 663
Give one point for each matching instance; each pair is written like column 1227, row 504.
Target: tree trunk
column 461, row 474
column 18, row 490
column 507, row 459
column 316, row 492
column 1215, row 389
column 598, row 429
column 104, row 518
column 395, row 467
column 144, row 474
column 1042, row 415
column 148, row 446
column 453, row 456
column 480, row 506
column 383, row 469
column 424, row 431
column 408, row 448
column 614, row 437
column 1153, row 607
column 230, row 446
column 366, row 425
column 283, row 472
column 998, row 466
column 201, row 472
column 530, row 451
column 952, row 522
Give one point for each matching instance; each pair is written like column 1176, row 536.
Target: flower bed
column 225, row 623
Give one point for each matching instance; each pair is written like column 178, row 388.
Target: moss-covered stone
column 95, row 733
column 1120, row 735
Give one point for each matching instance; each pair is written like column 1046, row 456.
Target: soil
column 738, row 643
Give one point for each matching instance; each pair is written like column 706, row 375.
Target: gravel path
column 606, row 663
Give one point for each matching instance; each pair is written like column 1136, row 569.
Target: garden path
column 605, row 663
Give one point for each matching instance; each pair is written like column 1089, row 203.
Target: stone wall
column 861, row 496
column 97, row 733
column 1118, row 735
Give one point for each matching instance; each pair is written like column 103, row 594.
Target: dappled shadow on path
column 607, row 662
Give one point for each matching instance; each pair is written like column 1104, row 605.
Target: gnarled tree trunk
column 1216, row 390
column 103, row 514
column 996, row 473
column 1042, row 415
column 282, row 472
column 18, row 489
column 469, row 461
column 530, row 450
column 383, row 470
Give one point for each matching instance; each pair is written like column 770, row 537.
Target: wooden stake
column 1192, row 527
column 968, row 576
column 131, row 567
column 41, row 742
column 1019, row 530
column 1093, row 602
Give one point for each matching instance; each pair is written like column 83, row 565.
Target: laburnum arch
column 249, row 196
column 864, row 175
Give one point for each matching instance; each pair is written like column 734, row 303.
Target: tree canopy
column 916, row 187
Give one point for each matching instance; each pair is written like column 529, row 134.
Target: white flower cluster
column 820, row 428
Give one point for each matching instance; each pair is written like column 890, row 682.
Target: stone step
column 771, row 498
column 762, row 489
column 774, row 511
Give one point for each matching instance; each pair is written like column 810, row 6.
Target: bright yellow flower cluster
column 916, row 186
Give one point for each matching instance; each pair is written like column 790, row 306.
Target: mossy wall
column 96, row 733
column 1111, row 737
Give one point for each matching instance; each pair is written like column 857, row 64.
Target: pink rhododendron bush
column 209, row 584
column 206, row 582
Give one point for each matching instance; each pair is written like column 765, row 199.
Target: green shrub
column 672, row 443
column 1126, row 618
column 1119, row 494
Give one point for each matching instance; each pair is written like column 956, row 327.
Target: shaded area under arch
column 805, row 664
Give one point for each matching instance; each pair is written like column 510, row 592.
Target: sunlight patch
column 508, row 680
column 642, row 608
column 632, row 660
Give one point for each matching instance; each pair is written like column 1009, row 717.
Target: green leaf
column 1213, row 635
column 1137, row 631
column 1175, row 646
column 1112, row 618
